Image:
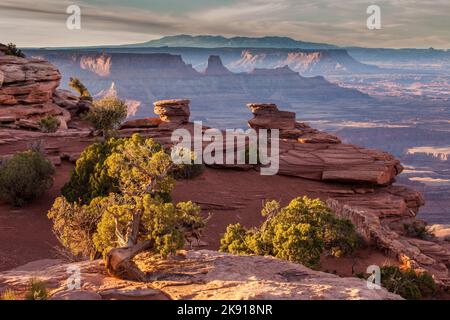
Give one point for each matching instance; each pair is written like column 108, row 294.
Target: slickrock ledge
column 197, row 275
column 173, row 111
column 316, row 155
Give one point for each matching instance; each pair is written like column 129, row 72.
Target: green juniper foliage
column 79, row 87
column 24, row 177
column 49, row 124
column 12, row 50
column 300, row 232
column 107, row 114
column 37, row 291
column 138, row 169
column 90, row 179
column 407, row 283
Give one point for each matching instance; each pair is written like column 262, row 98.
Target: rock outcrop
column 311, row 154
column 28, row 93
column 141, row 123
column 173, row 111
column 215, row 67
column 267, row 116
column 194, row 275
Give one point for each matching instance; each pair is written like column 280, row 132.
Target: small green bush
column 107, row 114
column 407, row 283
column 90, row 178
column 12, row 50
column 74, row 225
column 417, row 230
column 37, row 290
column 188, row 171
column 9, row 295
column 25, row 176
column 300, row 232
column 49, row 124
column 79, row 87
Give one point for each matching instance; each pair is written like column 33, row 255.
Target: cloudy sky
column 405, row 23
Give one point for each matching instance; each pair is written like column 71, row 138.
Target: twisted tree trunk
column 119, row 261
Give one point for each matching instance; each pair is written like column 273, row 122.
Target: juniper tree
column 137, row 218
column 79, row 87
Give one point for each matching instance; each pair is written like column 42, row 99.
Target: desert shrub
column 188, row 171
column 12, row 50
column 25, row 176
column 37, row 146
column 407, row 283
column 136, row 212
column 300, row 232
column 417, row 230
column 9, row 295
column 90, row 178
column 75, row 225
column 79, row 87
column 49, row 124
column 37, row 290
column 107, row 114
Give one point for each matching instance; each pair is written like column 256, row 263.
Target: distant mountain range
column 207, row 41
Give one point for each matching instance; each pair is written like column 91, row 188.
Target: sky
column 404, row 23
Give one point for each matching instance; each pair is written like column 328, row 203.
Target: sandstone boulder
column 267, row 116
column 173, row 111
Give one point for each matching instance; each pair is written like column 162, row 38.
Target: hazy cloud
column 405, row 23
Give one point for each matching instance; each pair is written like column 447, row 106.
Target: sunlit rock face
column 215, row 276
column 26, row 93
column 306, row 62
column 100, row 65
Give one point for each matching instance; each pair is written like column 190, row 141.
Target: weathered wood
column 119, row 261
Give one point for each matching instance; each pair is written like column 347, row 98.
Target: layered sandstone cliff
column 28, row 93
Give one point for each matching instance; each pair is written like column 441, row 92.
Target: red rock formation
column 267, row 116
column 142, row 123
column 173, row 111
column 28, row 93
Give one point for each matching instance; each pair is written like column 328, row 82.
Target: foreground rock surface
column 197, row 275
